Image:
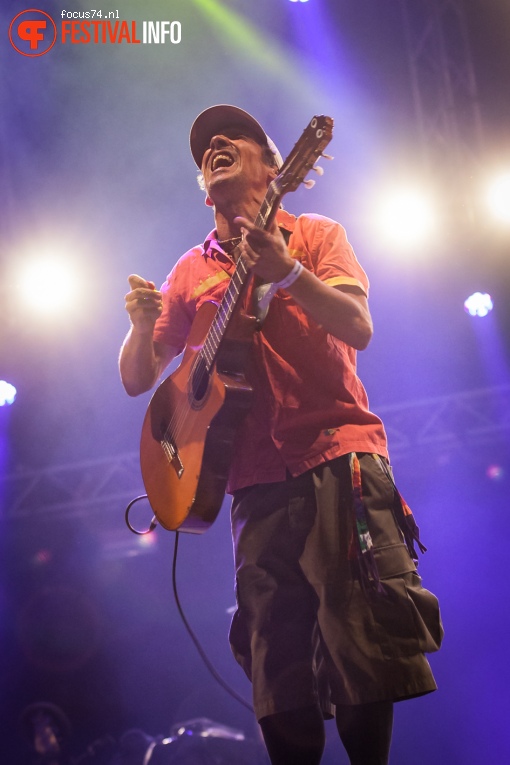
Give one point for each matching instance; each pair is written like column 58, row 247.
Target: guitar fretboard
column 237, row 283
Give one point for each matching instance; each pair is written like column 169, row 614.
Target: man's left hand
column 265, row 252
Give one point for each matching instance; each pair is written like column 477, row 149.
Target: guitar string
column 218, row 326
column 214, row 335
column 207, row 354
column 216, row 331
column 222, row 316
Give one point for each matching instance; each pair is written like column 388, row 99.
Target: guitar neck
column 269, row 206
column 237, row 283
column 293, row 172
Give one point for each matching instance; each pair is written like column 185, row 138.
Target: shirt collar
column 284, row 219
column 211, row 242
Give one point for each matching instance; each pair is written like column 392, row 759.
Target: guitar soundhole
column 199, row 382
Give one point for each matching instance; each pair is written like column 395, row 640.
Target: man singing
column 331, row 616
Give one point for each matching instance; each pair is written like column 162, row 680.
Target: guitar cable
column 213, row 671
column 139, row 532
column 226, row 687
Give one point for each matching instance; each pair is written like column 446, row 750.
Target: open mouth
column 221, row 160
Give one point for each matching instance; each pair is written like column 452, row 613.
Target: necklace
column 229, row 244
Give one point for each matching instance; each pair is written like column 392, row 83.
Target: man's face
column 235, row 158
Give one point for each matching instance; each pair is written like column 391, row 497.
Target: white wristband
column 268, row 293
column 291, row 276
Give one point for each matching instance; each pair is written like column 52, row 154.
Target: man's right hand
column 141, row 359
column 143, row 303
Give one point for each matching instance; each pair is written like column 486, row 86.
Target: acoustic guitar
column 190, row 425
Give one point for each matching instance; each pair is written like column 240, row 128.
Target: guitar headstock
column 305, row 153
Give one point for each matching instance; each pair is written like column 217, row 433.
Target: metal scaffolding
column 465, row 422
column 443, row 77
column 444, row 91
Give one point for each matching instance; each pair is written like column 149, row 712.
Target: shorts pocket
column 406, row 617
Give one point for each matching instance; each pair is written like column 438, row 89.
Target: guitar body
column 185, row 473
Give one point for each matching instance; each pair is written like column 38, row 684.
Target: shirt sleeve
column 332, row 257
column 173, row 325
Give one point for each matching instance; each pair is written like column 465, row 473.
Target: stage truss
column 467, row 422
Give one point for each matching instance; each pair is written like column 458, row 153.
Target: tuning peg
column 319, row 170
column 309, row 183
column 327, row 156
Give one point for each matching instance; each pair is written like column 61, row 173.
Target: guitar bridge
column 172, row 455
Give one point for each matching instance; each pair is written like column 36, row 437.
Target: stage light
column 479, row 304
column 47, row 285
column 495, row 472
column 298, row 1
column 42, row 557
column 406, row 217
column 7, row 393
column 498, row 197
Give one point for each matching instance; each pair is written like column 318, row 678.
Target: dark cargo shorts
column 306, row 630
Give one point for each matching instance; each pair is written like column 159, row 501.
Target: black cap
column 212, row 120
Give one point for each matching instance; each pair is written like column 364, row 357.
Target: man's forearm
column 138, row 364
column 342, row 314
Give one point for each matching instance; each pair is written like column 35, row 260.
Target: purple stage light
column 495, row 472
column 479, row 304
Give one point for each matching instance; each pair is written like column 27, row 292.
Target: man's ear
column 209, row 202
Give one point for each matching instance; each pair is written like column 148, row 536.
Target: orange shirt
column 309, row 405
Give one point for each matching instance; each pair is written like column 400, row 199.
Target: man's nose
column 219, row 141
